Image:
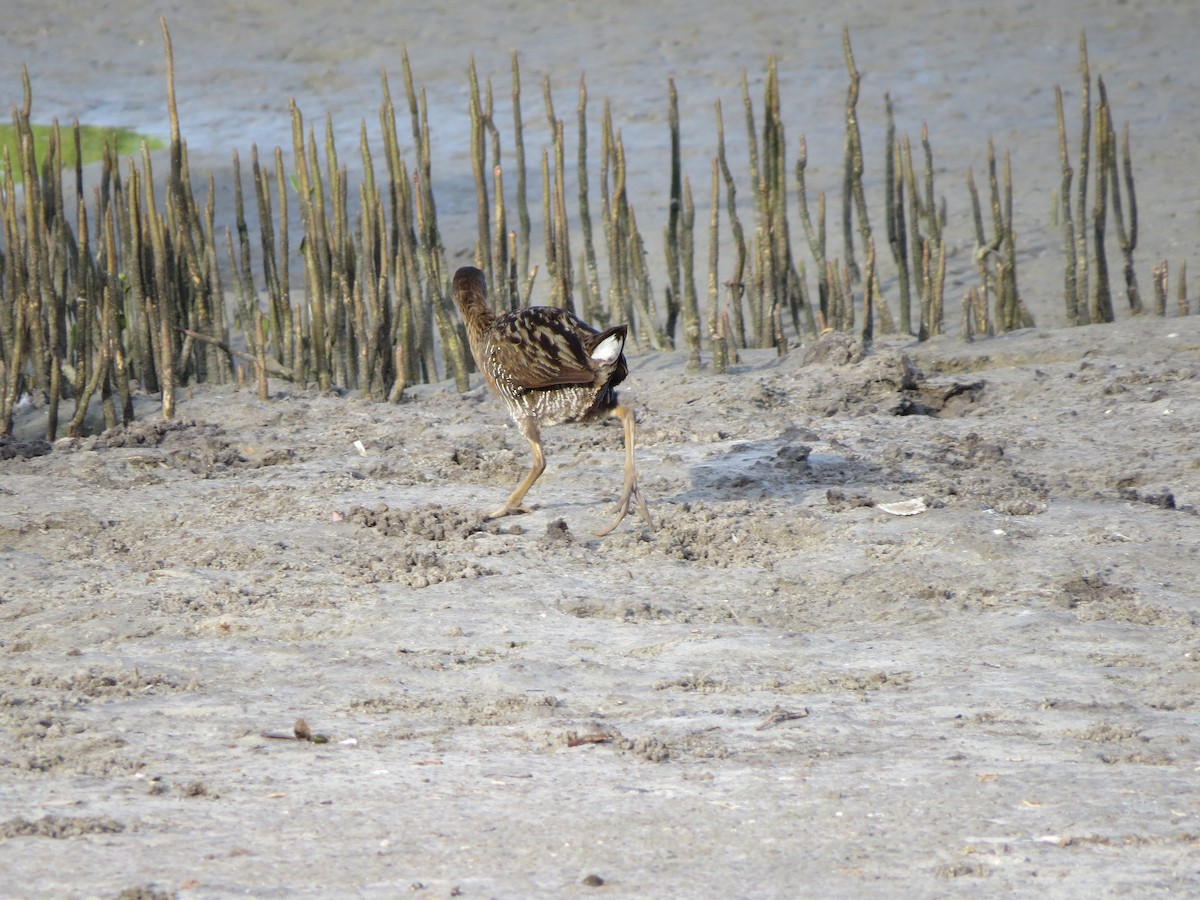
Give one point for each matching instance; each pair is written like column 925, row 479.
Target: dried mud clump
column 835, row 348
column 648, row 748
column 981, row 470
column 418, row 568
column 409, row 566
column 42, row 741
column 196, row 790
column 422, row 570
column 840, row 500
column 461, row 709
column 943, row 401
column 146, row 892
column 1163, row 499
column 730, row 533
column 197, row 447
column 496, row 466
column 557, row 533
column 1110, row 733
column 431, row 522
column 59, row 827
column 963, row 870
column 147, row 433
column 1094, row 599
column 864, row 384
column 95, row 683
column 698, row 745
column 1085, row 589
column 885, row 380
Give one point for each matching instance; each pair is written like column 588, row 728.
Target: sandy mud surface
column 784, row 689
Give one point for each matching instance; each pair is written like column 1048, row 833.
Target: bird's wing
column 542, row 347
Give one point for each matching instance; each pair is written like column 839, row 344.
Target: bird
column 548, row 367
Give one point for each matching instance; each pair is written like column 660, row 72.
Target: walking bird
column 549, row 367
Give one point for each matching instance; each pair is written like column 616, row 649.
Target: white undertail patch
column 608, row 349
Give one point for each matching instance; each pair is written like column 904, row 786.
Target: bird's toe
column 507, row 510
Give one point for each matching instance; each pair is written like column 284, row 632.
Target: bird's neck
column 477, row 317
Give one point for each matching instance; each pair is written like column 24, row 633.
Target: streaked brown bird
column 549, row 367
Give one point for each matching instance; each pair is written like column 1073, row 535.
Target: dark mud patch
column 1163, row 499
column 12, row 448
column 941, row 400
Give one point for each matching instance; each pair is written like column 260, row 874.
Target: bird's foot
column 632, row 491
column 506, row 510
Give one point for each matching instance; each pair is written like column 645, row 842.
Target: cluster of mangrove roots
column 130, row 287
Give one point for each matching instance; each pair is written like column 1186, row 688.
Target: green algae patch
column 92, row 141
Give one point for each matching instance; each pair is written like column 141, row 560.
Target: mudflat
column 916, row 619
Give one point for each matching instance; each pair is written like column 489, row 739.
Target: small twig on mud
column 574, row 739
column 779, row 714
column 273, row 367
column 300, row 732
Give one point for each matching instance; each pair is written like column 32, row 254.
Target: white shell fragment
column 905, row 507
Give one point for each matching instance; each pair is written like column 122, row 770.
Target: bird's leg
column 529, row 428
column 631, row 490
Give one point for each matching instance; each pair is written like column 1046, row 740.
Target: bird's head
column 470, row 289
